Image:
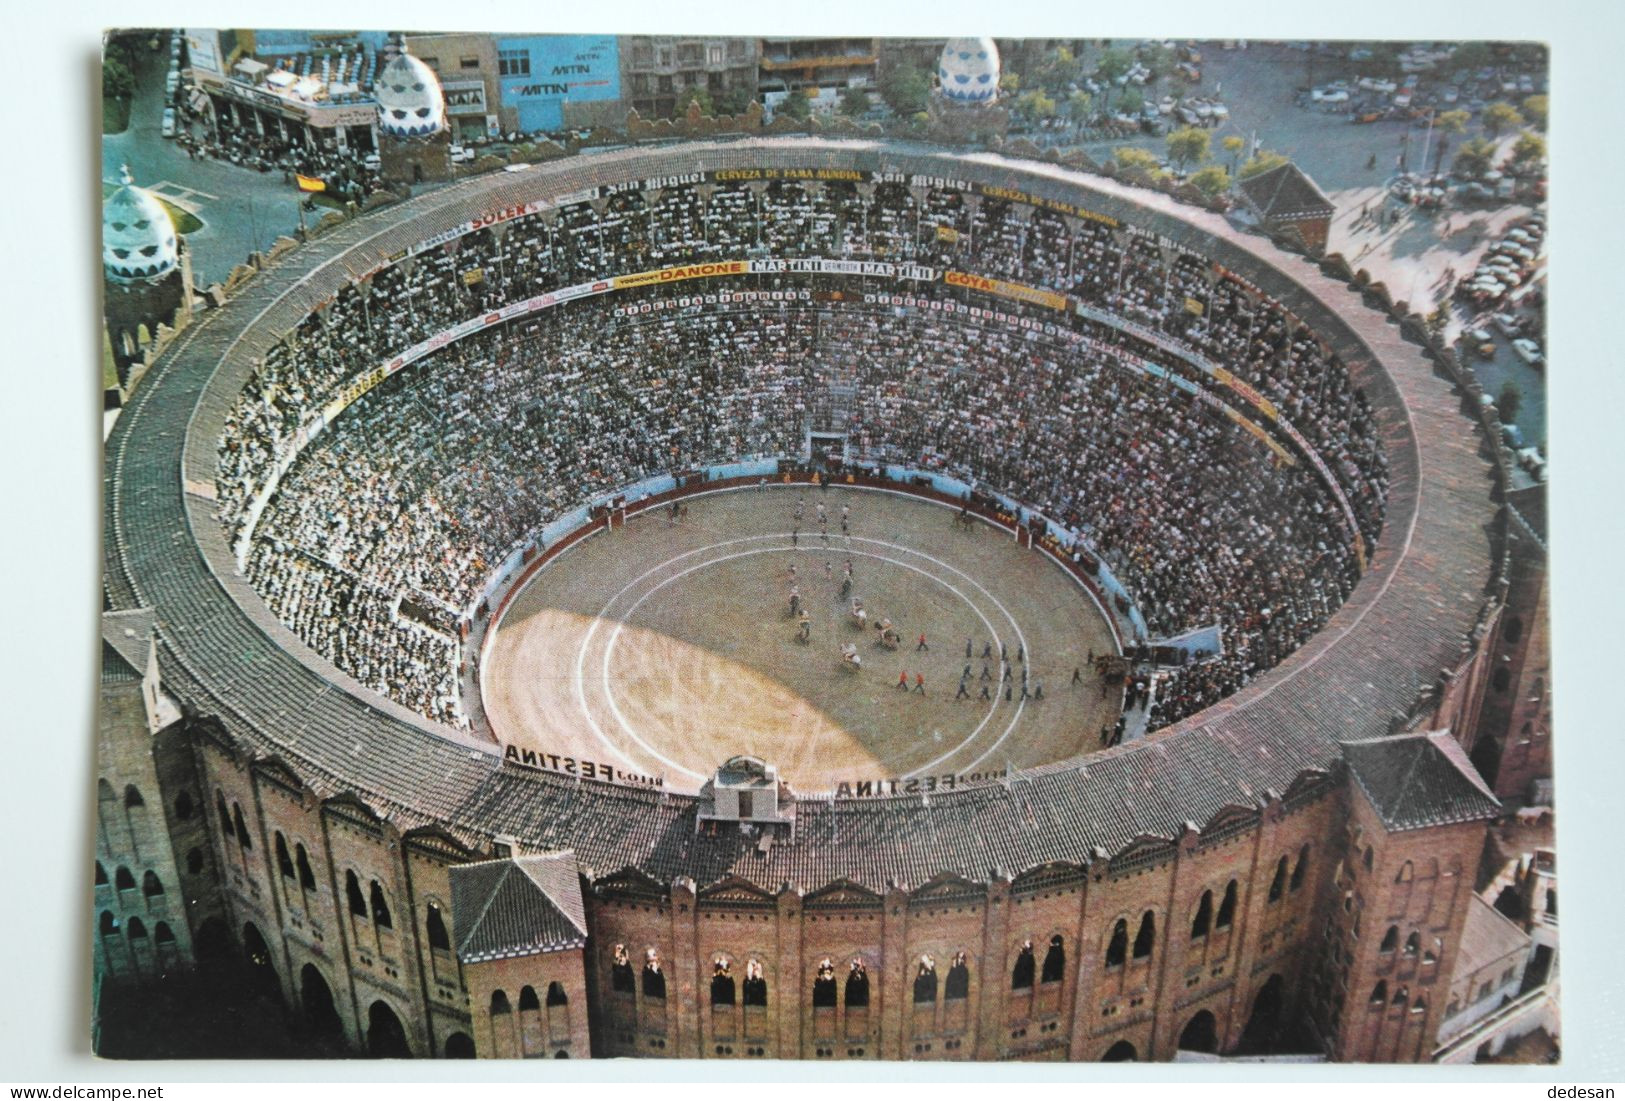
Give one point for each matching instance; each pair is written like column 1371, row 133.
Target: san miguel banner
column 1018, row 291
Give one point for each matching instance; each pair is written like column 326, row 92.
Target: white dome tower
column 968, row 71
column 410, row 102
column 138, row 239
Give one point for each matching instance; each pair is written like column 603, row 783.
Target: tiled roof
column 1420, row 779
column 126, row 637
column 223, row 652
column 519, row 906
column 1285, row 192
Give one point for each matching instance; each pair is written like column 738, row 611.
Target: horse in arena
column 859, row 616
column 889, row 638
column 850, row 660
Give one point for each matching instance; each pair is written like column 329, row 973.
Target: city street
column 242, row 210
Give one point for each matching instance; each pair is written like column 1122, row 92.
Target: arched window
column 528, row 999
column 136, row 929
column 755, row 984
column 150, row 885
column 925, row 981
column 958, row 984
column 1300, row 869
column 1117, row 950
column 1413, row 944
column 1278, row 884
column 437, row 930
column 183, row 806
column 556, row 995
column 1420, row 1005
column 621, row 979
column 1390, row 939
column 857, row 986
column 194, row 861
column 654, row 981
column 1367, row 858
column 352, row 892
column 1146, row 939
column 500, row 1003
column 1407, row 872
column 1379, row 993
column 1551, row 903
column 132, row 797
column 1120, row 1052
column 123, row 880
column 101, row 875
column 1204, row 916
column 163, row 934
column 1054, row 962
column 1538, row 692
column 104, row 793
column 1514, row 629
column 307, row 878
column 109, row 923
column 1400, row 995
column 1501, row 679
column 240, row 827
column 226, row 831
column 284, row 865
column 380, row 908
column 722, row 983
column 1021, row 975
column 1227, row 908
column 823, row 994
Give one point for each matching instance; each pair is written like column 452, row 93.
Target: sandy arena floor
column 663, row 649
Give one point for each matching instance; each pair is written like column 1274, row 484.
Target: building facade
column 657, row 71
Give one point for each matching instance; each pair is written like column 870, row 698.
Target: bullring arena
column 454, row 549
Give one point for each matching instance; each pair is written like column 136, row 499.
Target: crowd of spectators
column 381, row 535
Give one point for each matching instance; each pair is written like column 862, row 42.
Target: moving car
column 168, row 128
column 1528, row 351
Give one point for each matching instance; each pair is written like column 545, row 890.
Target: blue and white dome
column 410, row 103
column 968, row 70
column 138, row 239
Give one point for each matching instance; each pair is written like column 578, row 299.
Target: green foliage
column 1474, row 156
column 1036, row 105
column 1188, row 145
column 117, row 80
column 1470, row 55
column 1132, row 100
column 698, row 95
column 1500, row 116
column 1132, row 159
column 1211, row 180
column 1535, row 109
column 1529, row 149
column 1263, row 161
column 1453, row 122
column 1080, row 107
column 734, row 101
column 1508, row 402
column 854, row 102
column 1159, row 59
column 1057, row 69
column 1113, row 64
column 796, row 106
column 1010, row 83
column 905, row 88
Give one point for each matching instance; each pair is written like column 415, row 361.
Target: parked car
column 372, row 162
column 1528, row 351
column 460, row 154
column 1510, row 324
column 168, row 128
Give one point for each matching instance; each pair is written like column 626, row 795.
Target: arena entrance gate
column 826, row 450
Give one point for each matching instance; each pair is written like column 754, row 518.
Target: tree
column 1500, row 116
column 1131, row 159
column 1159, row 59
column 1474, row 157
column 1132, row 101
column 1035, row 105
column 1470, row 55
column 1262, row 162
column 855, row 102
column 734, row 101
column 796, row 106
column 1058, row 69
column 1534, row 109
column 1508, row 402
column 117, row 80
column 905, row 87
column 696, row 94
column 1080, row 106
column 1453, row 122
column 1188, row 145
column 1529, row 150
column 1113, row 64
column 1234, row 144
column 1010, row 83
column 1211, row 180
